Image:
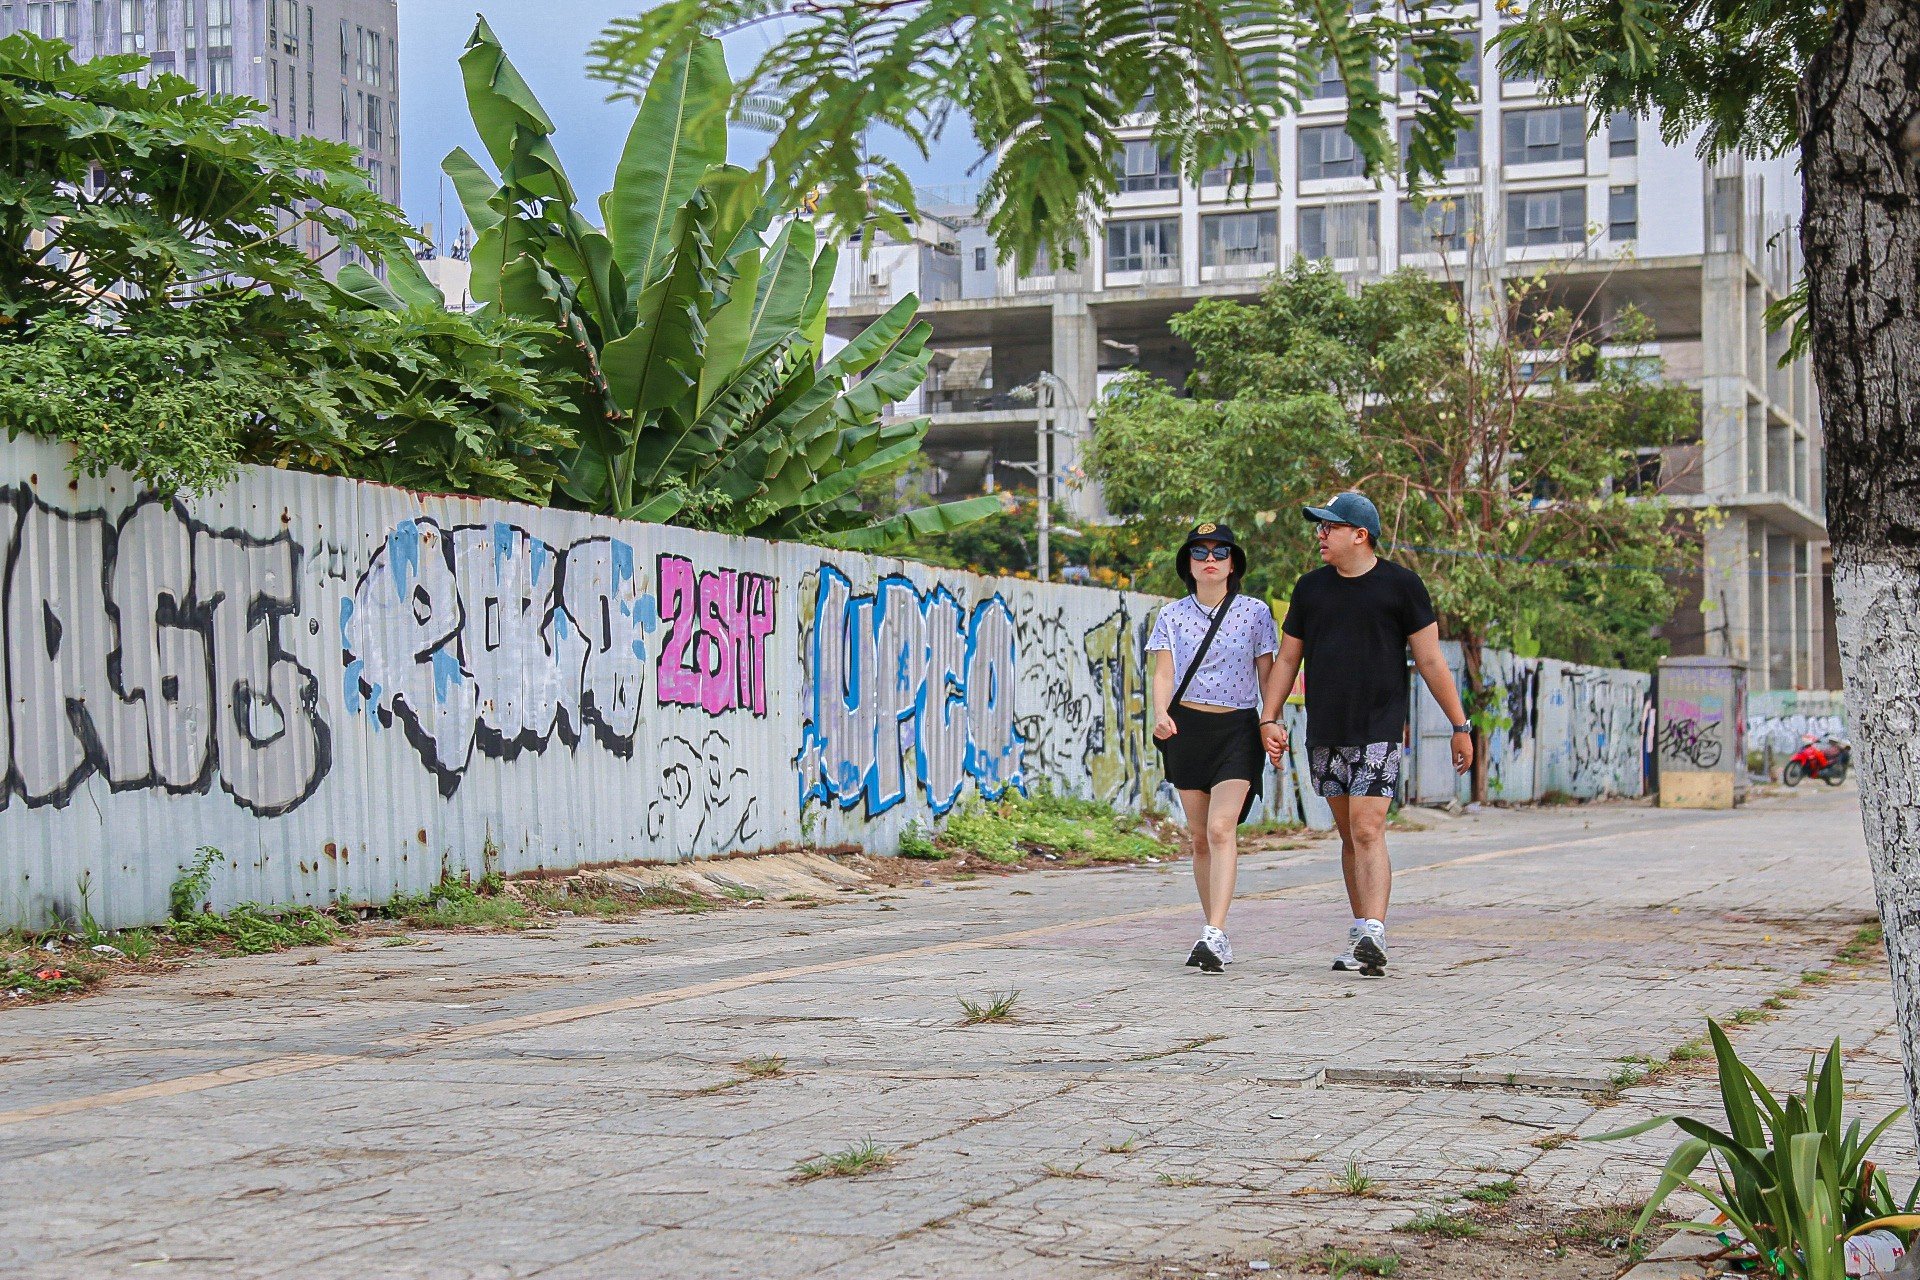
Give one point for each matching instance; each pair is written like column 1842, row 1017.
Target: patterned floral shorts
column 1372, row 770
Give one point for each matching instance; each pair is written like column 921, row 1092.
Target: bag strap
column 1200, row 655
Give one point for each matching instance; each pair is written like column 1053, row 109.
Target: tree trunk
column 1861, row 234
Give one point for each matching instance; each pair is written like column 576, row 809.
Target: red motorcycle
column 1823, row 758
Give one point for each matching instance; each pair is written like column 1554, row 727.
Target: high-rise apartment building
column 325, row 68
column 1615, row 215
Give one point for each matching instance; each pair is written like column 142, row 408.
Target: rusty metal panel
column 350, row 690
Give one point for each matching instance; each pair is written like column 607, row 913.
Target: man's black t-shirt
column 1355, row 631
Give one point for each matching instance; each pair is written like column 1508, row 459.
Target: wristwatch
column 1463, row 728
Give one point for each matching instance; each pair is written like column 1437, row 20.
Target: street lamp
column 1042, row 466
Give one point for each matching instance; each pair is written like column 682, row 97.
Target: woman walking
column 1212, row 652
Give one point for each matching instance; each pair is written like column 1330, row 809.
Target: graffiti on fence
column 149, row 650
column 714, row 651
column 487, row 637
column 900, row 677
column 1120, row 758
column 1604, row 712
column 706, row 801
column 1056, row 711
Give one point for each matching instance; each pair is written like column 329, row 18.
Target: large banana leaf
column 908, row 526
column 680, row 133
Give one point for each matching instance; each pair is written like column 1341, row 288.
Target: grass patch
column 1816, row 977
column 742, row 893
column 1746, row 1017
column 251, row 929
column 1123, row 1147
column 1354, row 1180
column 862, row 1157
column 1867, row 946
column 763, row 1066
column 1339, row 1262
column 1015, row 827
column 1493, row 1192
column 1691, row 1051
column 1552, row 1142
column 1435, row 1222
column 457, row 904
column 918, row 842
column 634, row 941
column 1178, row 1180
column 601, row 905
column 997, row 1007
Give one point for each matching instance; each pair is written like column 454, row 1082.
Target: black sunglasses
column 1211, row 553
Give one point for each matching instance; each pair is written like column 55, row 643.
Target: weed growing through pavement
column 1354, row 1180
column 763, row 1066
column 742, row 893
column 1436, row 1222
column 1339, row 1262
column 1121, row 1148
column 634, row 940
column 1493, row 1192
column 457, row 903
column 1552, row 1142
column 1178, row 1180
column 997, row 1007
column 1067, row 1171
column 862, row 1157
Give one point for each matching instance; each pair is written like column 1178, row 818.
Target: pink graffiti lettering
column 718, row 623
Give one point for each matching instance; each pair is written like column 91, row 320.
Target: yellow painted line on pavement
column 291, row 1064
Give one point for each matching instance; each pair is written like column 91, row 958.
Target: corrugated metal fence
column 351, row 690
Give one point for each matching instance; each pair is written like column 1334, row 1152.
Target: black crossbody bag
column 1199, row 656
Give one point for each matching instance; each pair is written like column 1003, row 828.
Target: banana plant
column 693, row 320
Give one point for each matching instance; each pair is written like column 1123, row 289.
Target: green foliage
column 862, row 1157
column 1792, row 1174
column 159, row 313
column 691, row 342
column 251, row 929
column 187, row 895
column 1007, row 829
column 997, row 1007
column 1730, row 70
column 455, row 903
column 917, row 842
column 1046, row 89
column 1435, row 1222
column 1500, row 445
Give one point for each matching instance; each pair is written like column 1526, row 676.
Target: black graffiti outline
column 679, row 792
column 1689, row 740
column 490, row 742
column 197, row 619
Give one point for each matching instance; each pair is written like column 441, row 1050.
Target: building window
column 1328, row 84
column 290, row 34
column 219, row 73
column 133, row 29
column 1547, row 217
column 1623, row 213
column 1340, row 231
column 1328, row 152
column 1545, row 135
column 190, row 11
column 979, row 259
column 309, row 99
column 371, row 141
column 1623, row 134
column 273, row 84
column 1466, row 147
column 1148, row 244
column 373, row 59
column 1469, row 69
column 1145, row 167
column 393, row 125
column 344, row 54
column 346, row 119
column 1442, row 225
column 220, row 28
column 1239, row 239
column 1222, row 175
column 66, row 21
column 360, row 54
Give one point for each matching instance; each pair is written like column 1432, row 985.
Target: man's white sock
column 1359, row 922
column 1370, row 925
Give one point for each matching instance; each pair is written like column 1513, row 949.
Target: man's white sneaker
column 1346, row 962
column 1370, row 949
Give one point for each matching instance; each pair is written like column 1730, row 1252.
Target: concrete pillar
column 1076, row 362
column 1725, row 601
column 1723, row 381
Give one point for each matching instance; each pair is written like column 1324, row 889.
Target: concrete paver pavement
column 533, row 1104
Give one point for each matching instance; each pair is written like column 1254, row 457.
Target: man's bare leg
column 1363, row 853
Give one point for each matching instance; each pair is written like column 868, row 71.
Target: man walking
column 1353, row 621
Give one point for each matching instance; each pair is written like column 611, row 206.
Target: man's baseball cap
column 1351, row 507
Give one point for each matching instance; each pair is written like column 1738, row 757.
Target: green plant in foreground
column 763, row 1066
column 997, row 1007
column 862, row 1157
column 916, row 841
column 187, row 895
column 1434, row 1222
column 1339, row 1262
column 1493, row 1192
column 456, row 903
column 1792, row 1176
column 1354, row 1180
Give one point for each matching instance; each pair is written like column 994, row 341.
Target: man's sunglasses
column 1211, row 553
column 1323, row 527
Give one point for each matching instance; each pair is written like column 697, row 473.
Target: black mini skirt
column 1212, row 747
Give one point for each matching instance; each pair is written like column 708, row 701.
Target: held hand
column 1462, row 752
column 1274, row 738
column 1163, row 726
